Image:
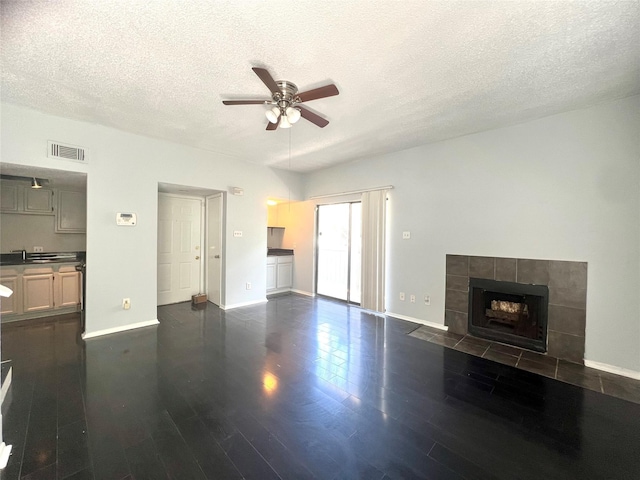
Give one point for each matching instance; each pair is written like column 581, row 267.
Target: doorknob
column 216, row 256
column 197, row 257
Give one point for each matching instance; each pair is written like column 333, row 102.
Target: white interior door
column 214, row 248
column 179, row 263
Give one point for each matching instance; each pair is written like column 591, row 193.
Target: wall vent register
column 66, row 151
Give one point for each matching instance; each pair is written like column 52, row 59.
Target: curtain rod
column 353, row 192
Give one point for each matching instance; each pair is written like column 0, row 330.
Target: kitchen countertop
column 278, row 252
column 41, row 258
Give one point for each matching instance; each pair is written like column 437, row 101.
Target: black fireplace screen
column 508, row 312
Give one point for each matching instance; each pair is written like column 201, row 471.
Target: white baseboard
column 302, row 292
column 131, row 326
column 245, row 304
column 625, row 372
column 5, row 451
column 439, row 326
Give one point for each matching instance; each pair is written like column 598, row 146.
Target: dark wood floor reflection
column 297, row 388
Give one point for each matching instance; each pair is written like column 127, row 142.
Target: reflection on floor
column 293, row 389
column 579, row 375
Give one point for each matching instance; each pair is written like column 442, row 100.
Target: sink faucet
column 23, row 252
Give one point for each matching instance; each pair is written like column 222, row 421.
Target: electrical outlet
column 237, row 233
column 126, row 303
column 412, row 299
column 406, row 235
column 248, row 285
column 427, row 300
column 38, row 249
column 402, row 296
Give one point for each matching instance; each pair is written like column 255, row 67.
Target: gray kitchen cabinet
column 72, row 212
column 9, row 197
column 285, row 272
column 271, row 273
column 279, row 273
column 18, row 198
column 38, row 200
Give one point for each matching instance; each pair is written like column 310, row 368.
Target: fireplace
column 508, row 312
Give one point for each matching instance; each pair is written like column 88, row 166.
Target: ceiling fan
column 286, row 101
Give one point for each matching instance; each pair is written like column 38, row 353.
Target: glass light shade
column 284, row 122
column 273, row 114
column 293, row 114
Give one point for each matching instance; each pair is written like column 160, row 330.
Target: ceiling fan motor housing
column 287, row 96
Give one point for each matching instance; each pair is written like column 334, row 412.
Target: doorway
column 179, row 244
column 190, row 230
column 339, row 241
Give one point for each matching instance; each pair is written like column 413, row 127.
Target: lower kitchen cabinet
column 271, row 273
column 39, row 291
column 67, row 287
column 10, row 278
column 279, row 273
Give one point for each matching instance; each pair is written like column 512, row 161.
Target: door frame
column 317, row 251
column 203, row 287
column 221, row 196
column 200, row 240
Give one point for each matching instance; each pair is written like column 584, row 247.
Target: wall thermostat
column 126, row 219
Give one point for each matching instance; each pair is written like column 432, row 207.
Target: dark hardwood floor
column 297, row 388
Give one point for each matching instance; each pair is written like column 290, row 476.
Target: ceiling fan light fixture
column 273, row 114
column 284, row 122
column 293, row 115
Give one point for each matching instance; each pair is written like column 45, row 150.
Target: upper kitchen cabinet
column 9, row 197
column 72, row 212
column 38, row 200
column 17, row 198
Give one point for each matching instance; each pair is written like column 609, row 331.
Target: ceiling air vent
column 67, row 152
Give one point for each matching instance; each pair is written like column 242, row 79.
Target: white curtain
column 373, row 249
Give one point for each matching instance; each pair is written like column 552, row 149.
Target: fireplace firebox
column 513, row 313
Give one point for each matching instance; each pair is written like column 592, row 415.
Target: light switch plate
column 406, row 235
column 237, row 233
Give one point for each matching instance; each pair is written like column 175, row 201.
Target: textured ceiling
column 409, row 72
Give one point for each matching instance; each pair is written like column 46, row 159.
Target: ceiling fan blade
column 321, row 92
column 312, row 117
column 273, row 126
column 245, row 102
column 267, row 79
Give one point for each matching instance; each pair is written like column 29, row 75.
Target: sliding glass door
column 339, row 251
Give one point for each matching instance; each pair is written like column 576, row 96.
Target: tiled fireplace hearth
column 566, row 281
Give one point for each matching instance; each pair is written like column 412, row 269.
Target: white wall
column 298, row 218
column 565, row 187
column 123, row 171
column 26, row 231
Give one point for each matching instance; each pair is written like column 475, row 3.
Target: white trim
column 371, row 312
column 5, row 451
column 244, row 304
column 373, row 189
column 612, row 369
column 439, row 326
column 302, row 292
column 122, row 328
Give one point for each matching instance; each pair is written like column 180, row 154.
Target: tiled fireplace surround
column 567, row 282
